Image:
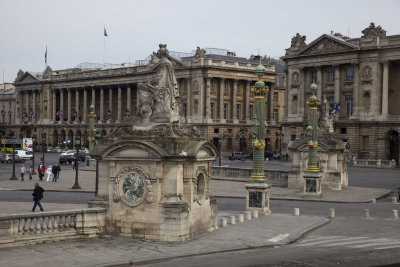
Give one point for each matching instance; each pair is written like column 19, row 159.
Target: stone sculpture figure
column 325, row 120
column 160, row 98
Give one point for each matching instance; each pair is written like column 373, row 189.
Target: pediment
column 27, row 78
column 326, row 44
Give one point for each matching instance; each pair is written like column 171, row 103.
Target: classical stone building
column 214, row 87
column 359, row 77
column 7, row 105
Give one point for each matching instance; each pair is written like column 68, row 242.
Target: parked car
column 277, row 155
column 236, row 155
column 84, row 149
column 54, row 149
column 66, row 157
column 8, row 158
column 25, row 155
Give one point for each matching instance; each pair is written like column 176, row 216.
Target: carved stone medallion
column 133, row 186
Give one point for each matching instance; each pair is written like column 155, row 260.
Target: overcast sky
column 73, row 29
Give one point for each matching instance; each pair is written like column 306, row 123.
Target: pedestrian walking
column 30, row 171
column 41, row 171
column 54, row 173
column 37, row 196
column 49, row 173
column 58, row 171
column 22, row 170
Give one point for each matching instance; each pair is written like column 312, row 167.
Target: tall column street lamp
column 76, row 185
column 220, row 140
column 33, row 153
column 13, row 177
column 43, row 146
column 258, row 190
column 91, row 130
column 312, row 176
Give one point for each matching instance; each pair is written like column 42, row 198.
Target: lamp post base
column 13, row 177
column 312, row 185
column 258, row 197
column 76, row 186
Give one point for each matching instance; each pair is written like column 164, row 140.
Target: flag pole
column 104, row 43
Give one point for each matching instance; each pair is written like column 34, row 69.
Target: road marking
column 278, row 238
column 388, row 247
column 322, row 242
column 320, row 238
column 370, row 243
column 377, row 242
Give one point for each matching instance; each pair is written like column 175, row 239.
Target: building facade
column 359, row 77
column 7, row 106
column 214, row 89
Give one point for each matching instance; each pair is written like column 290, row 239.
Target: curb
column 291, row 241
column 52, row 190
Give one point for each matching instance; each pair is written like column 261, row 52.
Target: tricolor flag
column 45, row 56
column 127, row 113
column 58, row 114
column 105, row 32
column 31, row 114
column 24, row 115
column 75, row 114
column 108, row 115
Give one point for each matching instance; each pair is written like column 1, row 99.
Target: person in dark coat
column 54, row 171
column 41, row 170
column 37, row 196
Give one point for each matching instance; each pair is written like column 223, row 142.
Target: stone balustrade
column 275, row 177
column 31, row 228
column 373, row 163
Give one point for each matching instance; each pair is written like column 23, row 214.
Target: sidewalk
column 267, row 231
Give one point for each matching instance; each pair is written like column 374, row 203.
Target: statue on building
column 200, row 53
column 160, row 97
column 373, row 32
column 298, row 43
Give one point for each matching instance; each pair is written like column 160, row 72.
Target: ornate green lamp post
column 312, row 176
column 258, row 190
column 91, row 130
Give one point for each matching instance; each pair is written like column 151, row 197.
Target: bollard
column 296, row 212
column 248, row 215
column 255, row 214
column 366, row 213
column 240, row 218
column 216, row 224
column 373, row 200
column 395, row 214
column 233, row 220
column 223, row 222
column 331, row 213
column 394, row 199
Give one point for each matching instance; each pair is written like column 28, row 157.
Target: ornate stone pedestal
column 312, row 184
column 257, row 197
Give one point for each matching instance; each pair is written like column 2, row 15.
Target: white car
column 68, row 153
column 23, row 154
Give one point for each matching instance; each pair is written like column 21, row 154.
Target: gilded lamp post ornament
column 312, row 175
column 91, row 130
column 258, row 190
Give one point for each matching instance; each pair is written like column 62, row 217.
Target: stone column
column 235, row 89
column 69, row 103
column 93, row 97
column 101, row 115
column 385, row 88
column 34, row 105
column 77, row 104
column 85, row 106
column 62, row 104
column 189, row 100
column 288, row 99
column 247, row 102
column 221, row 99
column 337, row 84
column 356, row 91
column 53, row 116
column 27, row 103
column 319, row 82
column 207, row 99
column 110, row 91
column 128, row 99
column 119, row 112
column 302, row 89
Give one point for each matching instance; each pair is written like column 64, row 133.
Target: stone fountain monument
column 154, row 171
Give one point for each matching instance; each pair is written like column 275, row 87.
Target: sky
column 72, row 30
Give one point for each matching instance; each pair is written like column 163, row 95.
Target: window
column 251, row 112
column 275, row 115
column 212, row 110
column 211, row 85
column 343, row 130
column 275, row 96
column 216, row 130
column 238, row 111
column 331, row 75
column 238, row 87
column 225, row 88
column 314, row 76
column 365, row 143
column 225, row 111
column 229, row 146
column 349, row 73
column 229, row 130
column 349, row 105
column 293, row 137
column 184, row 110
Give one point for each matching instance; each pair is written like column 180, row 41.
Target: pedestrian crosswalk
column 356, row 242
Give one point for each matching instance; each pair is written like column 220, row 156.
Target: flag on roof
column 45, row 56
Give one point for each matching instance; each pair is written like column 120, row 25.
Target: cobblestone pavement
column 272, row 230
